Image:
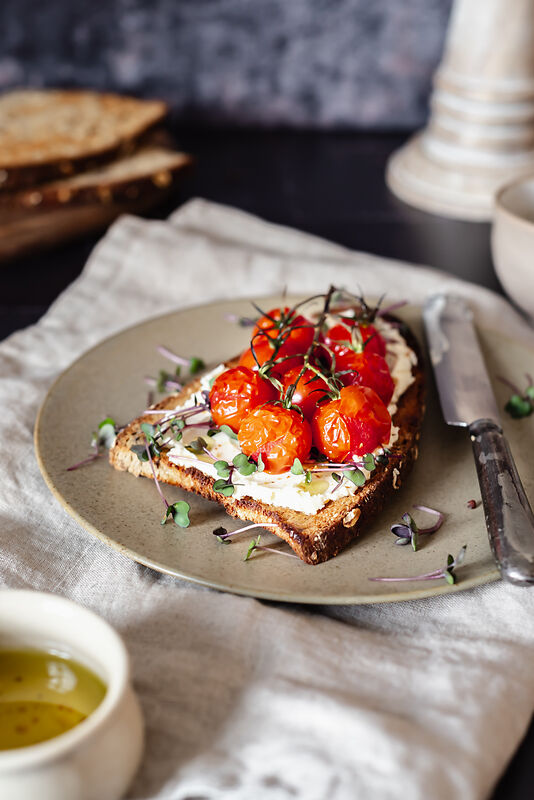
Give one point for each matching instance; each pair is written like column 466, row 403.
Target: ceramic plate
column 125, row 511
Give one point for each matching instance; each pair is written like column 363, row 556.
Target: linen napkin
column 246, row 699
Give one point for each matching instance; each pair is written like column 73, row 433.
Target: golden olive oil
column 43, row 695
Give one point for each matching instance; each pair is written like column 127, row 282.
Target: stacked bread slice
column 71, row 161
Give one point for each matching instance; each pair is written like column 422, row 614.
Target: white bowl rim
column 117, row 685
column 502, row 208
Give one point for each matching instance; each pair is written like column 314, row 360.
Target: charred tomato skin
column 338, row 340
column 264, row 350
column 235, row 393
column 296, row 330
column 310, row 389
column 278, row 434
column 367, row 369
column 356, row 423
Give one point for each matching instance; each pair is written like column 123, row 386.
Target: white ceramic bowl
column 97, row 759
column 512, row 241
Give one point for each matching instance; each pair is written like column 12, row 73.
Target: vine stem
column 290, row 391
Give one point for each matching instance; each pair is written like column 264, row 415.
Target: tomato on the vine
column 295, row 330
column 309, row 390
column 278, row 434
column 338, row 339
column 356, row 423
column 237, row 391
column 367, row 369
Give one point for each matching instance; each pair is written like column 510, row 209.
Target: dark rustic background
column 303, row 63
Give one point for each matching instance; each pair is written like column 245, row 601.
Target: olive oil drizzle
column 43, row 695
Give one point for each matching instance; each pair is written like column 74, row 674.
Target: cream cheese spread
column 287, row 490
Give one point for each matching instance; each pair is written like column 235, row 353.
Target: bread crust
column 315, row 538
column 49, row 150
column 106, row 185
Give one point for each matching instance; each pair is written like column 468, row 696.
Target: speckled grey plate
column 125, row 511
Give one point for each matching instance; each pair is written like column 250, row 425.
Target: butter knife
column 467, row 399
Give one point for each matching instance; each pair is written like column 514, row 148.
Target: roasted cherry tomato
column 236, row 392
column 355, row 424
column 279, row 435
column 296, row 330
column 339, row 339
column 310, row 389
column 367, row 369
column 264, row 350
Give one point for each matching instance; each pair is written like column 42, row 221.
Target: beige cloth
column 245, row 699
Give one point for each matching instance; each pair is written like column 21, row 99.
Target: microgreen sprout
column 297, row 468
column 520, row 404
column 356, row 476
column 255, row 545
column 446, row 572
column 223, row 535
column 408, row 531
column 224, row 486
column 223, row 469
column 244, row 465
column 228, row 431
column 166, row 381
column 178, row 511
column 102, row 439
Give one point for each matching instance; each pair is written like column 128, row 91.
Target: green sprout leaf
column 308, row 478
column 107, row 421
column 518, row 407
column 228, row 431
column 297, row 468
column 244, row 465
column 179, row 512
column 195, row 365
column 148, row 430
column 223, row 469
column 197, row 446
column 356, row 476
column 105, row 436
column 261, row 465
column 223, row 487
column 369, row 462
column 252, row 546
column 140, row 451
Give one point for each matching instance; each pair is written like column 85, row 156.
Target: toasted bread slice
column 148, row 170
column 46, row 134
column 314, row 537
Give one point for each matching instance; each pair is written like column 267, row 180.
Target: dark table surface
column 329, row 184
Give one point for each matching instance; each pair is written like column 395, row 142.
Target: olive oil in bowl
column 43, row 695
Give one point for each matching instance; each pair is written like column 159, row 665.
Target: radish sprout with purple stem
column 408, row 532
column 167, row 382
column 103, row 438
column 179, row 511
column 446, row 572
column 223, row 535
column 255, row 545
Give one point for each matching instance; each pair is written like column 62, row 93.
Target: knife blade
column 467, row 399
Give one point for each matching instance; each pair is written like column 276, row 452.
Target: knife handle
column 509, row 518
